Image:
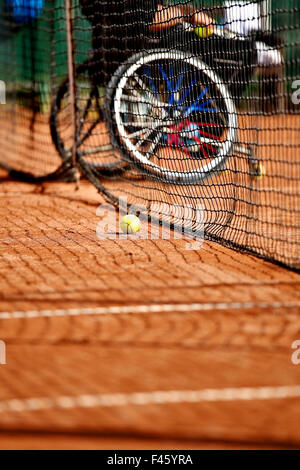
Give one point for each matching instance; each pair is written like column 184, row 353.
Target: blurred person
column 121, row 27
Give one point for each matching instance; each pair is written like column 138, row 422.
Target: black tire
column 59, row 127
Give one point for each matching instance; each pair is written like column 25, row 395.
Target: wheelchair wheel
column 92, row 140
column 170, row 115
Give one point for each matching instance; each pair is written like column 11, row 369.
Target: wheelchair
column 170, row 110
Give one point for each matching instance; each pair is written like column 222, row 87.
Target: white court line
column 146, row 309
column 151, row 398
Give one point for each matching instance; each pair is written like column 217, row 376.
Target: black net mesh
column 187, row 110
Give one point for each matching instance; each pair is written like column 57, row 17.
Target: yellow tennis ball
column 204, row 31
column 258, row 171
column 130, row 223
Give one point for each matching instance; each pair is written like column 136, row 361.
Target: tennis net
column 168, row 107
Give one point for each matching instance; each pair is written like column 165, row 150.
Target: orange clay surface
column 196, row 353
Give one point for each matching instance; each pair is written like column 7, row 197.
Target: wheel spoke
column 139, row 99
column 153, row 126
column 138, row 124
column 153, row 146
column 203, row 140
column 144, row 87
column 146, row 136
column 135, row 134
column 140, row 82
